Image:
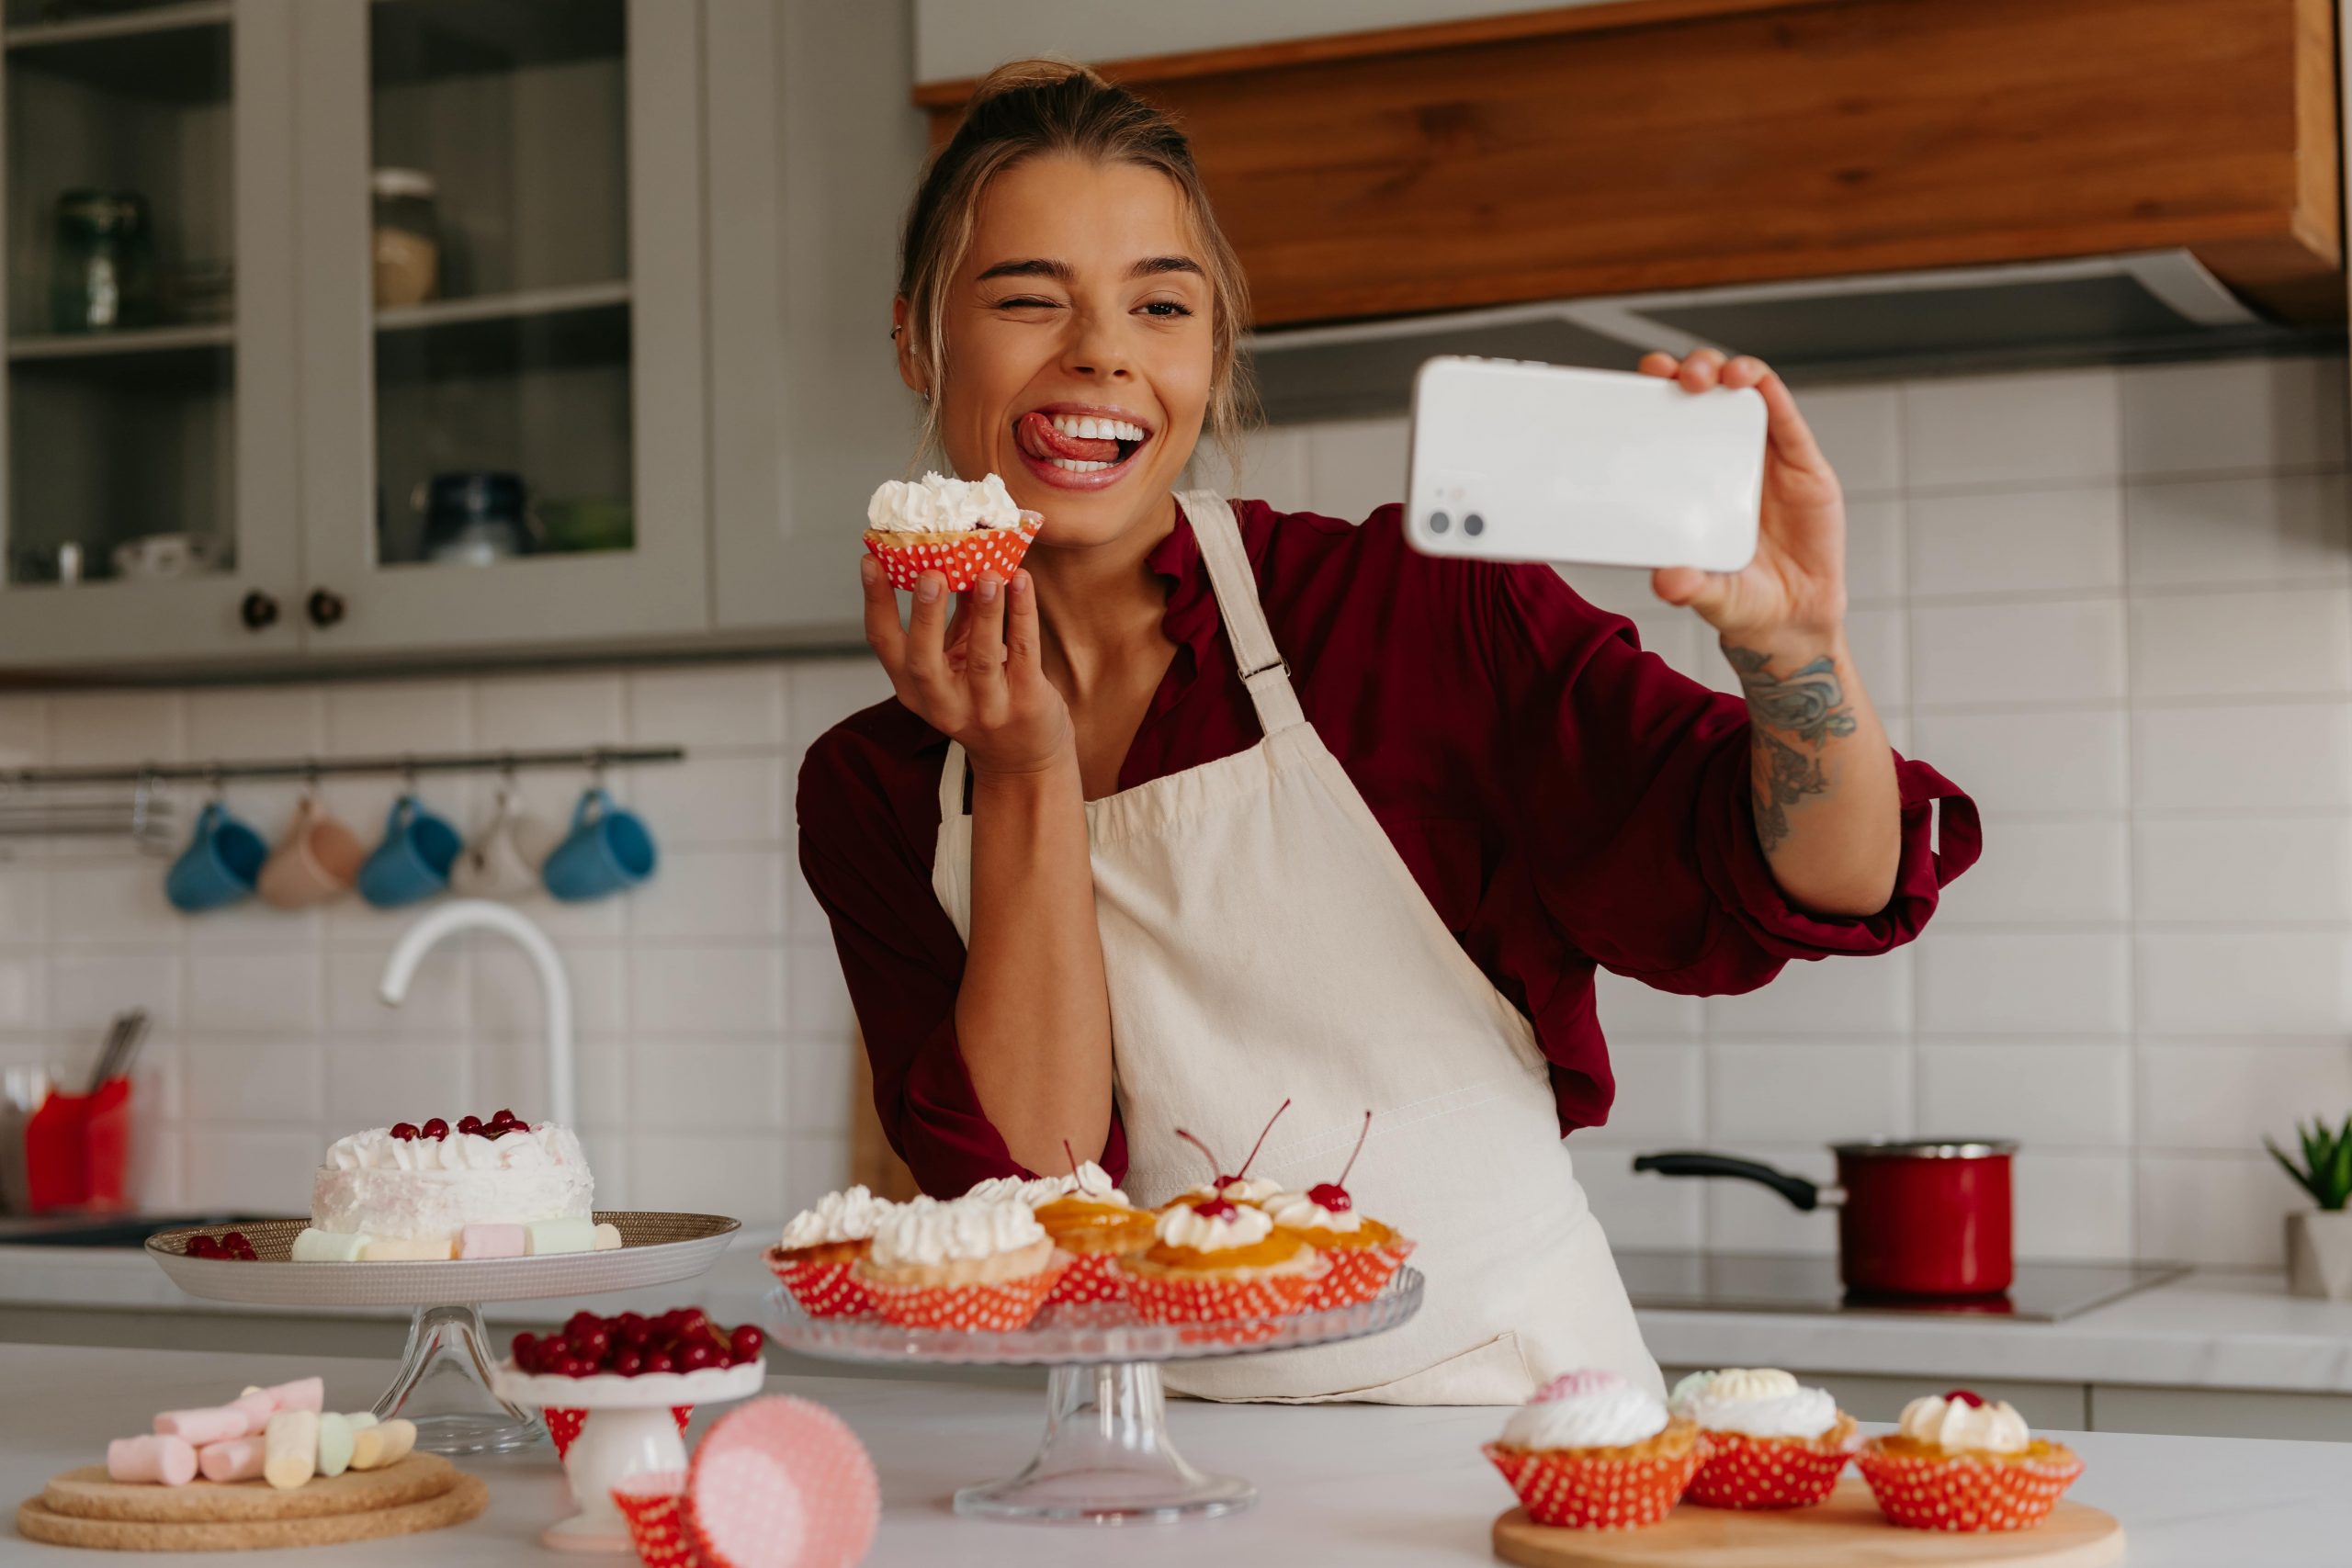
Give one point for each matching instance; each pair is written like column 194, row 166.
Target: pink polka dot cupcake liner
column 1091, row 1277
column 1772, row 1473
column 1968, row 1492
column 1358, row 1274
column 823, row 1289
column 653, row 1504
column 997, row 1307
column 1220, row 1311
column 960, row 558
column 1594, row 1489
column 777, row 1482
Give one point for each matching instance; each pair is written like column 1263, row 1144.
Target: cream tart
column 1362, row 1251
column 1218, row 1262
column 1589, row 1450
column 820, row 1246
column 969, row 1263
column 1958, row 1461
column 1776, row 1444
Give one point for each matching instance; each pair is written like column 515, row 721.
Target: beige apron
column 1263, row 938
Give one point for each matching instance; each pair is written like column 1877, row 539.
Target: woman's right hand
column 981, row 681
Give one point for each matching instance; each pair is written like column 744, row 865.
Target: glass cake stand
column 446, row 1371
column 1106, row 1457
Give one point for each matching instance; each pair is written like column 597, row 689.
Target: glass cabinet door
column 149, row 505
column 503, row 346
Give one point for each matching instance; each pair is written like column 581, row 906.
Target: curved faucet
column 555, row 987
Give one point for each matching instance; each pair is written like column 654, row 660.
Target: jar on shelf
column 407, row 238
column 105, row 271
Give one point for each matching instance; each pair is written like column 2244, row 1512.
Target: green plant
column 2326, row 1170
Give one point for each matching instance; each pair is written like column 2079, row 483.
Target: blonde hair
column 1032, row 107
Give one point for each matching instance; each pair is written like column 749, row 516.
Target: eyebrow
column 1062, row 272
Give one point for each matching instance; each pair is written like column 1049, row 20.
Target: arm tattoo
column 1809, row 704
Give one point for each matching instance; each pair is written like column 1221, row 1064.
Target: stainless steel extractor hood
column 2105, row 310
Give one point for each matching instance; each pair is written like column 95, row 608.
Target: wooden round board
column 462, row 1501
column 1846, row 1531
column 86, row 1494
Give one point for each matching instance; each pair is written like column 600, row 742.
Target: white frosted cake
column 502, row 1187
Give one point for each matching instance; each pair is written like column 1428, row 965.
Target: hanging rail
column 597, row 757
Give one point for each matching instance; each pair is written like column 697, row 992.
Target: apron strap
column 951, row 783
column 1263, row 669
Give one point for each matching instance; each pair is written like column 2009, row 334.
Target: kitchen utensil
column 448, row 1346
column 609, row 849
column 317, row 858
column 161, row 557
column 83, row 1508
column 108, row 1050
column 219, row 867
column 134, row 1037
column 103, row 276
column 474, row 517
column 1915, row 1217
column 413, row 863
column 504, row 858
column 407, row 240
column 1846, row 1531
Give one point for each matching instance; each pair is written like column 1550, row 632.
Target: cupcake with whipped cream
column 1362, row 1252
column 1238, row 1188
column 1775, row 1443
column 820, row 1246
column 969, row 1263
column 1958, row 1461
column 1589, row 1450
column 1096, row 1226
column 1221, row 1262
column 958, row 528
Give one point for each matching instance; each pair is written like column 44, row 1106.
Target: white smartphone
column 1517, row 461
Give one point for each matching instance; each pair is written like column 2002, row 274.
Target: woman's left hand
column 1797, row 581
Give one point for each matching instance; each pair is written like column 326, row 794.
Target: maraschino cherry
column 1332, row 1196
column 1218, row 1183
column 1216, row 1209
column 405, row 1131
column 1967, row 1396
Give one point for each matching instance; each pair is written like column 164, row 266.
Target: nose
column 1095, row 349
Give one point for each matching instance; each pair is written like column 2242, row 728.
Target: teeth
column 1087, row 428
column 1076, row 467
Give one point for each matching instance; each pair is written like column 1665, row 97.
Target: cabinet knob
column 258, row 611
column 326, row 607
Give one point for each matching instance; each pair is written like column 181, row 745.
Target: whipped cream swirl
column 938, row 505
column 1588, row 1409
column 847, row 1215
column 925, row 1230
column 542, row 1147
column 1950, row 1423
column 1755, row 1402
column 1186, row 1226
column 1297, row 1212
column 1090, row 1182
column 1240, row 1190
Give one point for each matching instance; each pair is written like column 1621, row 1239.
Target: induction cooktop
column 1717, row 1282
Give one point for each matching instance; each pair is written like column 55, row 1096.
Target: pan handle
column 1805, row 1195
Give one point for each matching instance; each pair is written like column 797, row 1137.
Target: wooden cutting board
column 86, row 1494
column 1846, row 1531
column 465, row 1498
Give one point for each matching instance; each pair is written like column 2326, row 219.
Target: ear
column 902, row 339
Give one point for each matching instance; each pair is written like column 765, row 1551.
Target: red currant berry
column 406, row 1131
column 235, row 1239
column 628, row 1363
column 436, row 1128
column 203, row 1246
column 659, row 1361
column 696, row 1356
column 469, row 1124
column 745, row 1342
column 527, row 1352
column 593, row 1343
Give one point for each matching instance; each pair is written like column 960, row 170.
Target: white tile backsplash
column 2228, row 415
column 2255, row 528
column 1784, row 1090
column 2226, row 1094
column 2065, row 650
column 2234, row 645
column 2236, row 982
column 2032, row 762
column 2223, row 1211
column 2243, row 868
column 2011, row 429
column 2016, row 541
column 2047, row 872
column 1981, row 981
column 2081, row 1094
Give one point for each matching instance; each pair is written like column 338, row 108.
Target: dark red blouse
column 1564, row 798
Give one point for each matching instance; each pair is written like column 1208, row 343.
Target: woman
column 1212, row 806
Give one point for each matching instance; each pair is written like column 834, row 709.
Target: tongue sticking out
column 1040, row 439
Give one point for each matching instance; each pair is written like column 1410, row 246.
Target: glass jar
column 407, row 238
column 105, row 276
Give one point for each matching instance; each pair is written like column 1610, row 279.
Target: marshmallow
column 259, row 1407
column 303, row 1393
column 361, row 1419
column 551, row 1236
column 490, row 1241
column 387, row 1443
column 198, row 1427
column 608, row 1238
column 239, row 1458
column 334, row 1444
column 330, row 1246
column 406, row 1249
column 159, row 1456
column 290, row 1449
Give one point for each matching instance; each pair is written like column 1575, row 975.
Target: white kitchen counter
column 2233, row 1331
column 1363, row 1484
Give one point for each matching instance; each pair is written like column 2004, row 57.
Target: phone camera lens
column 1440, row 522
column 1474, row 525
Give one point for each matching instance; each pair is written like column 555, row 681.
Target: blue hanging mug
column 607, row 851
column 219, row 867
column 413, row 863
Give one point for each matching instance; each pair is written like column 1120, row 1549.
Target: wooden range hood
column 1666, row 145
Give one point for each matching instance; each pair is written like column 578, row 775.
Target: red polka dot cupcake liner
column 1741, row 1471
column 997, row 1307
column 1092, row 1278
column 653, row 1504
column 823, row 1289
column 1358, row 1274
column 1222, row 1311
column 1968, row 1492
column 781, row 1481
column 1598, row 1489
column 564, row 1424
column 960, row 557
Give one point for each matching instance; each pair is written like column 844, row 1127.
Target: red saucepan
column 1915, row 1217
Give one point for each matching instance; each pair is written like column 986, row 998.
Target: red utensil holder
column 77, row 1150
